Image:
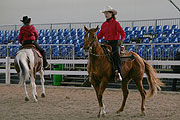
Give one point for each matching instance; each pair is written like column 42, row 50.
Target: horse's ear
column 97, row 28
column 85, row 28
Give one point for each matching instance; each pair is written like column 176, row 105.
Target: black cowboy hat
column 25, row 19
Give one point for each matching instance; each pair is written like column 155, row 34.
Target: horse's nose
column 85, row 48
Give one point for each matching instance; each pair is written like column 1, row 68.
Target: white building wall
column 65, row 11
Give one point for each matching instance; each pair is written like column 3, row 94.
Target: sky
column 66, row 11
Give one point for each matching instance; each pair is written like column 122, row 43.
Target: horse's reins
column 97, row 55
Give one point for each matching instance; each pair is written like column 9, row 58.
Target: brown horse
column 27, row 63
column 100, row 72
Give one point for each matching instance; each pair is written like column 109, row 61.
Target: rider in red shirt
column 29, row 35
column 112, row 32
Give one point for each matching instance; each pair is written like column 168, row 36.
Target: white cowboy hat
column 109, row 8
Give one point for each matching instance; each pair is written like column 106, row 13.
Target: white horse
column 27, row 63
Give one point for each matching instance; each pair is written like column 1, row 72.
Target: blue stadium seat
column 135, row 29
column 79, row 53
column 169, row 35
column 81, row 44
column 127, row 30
column 60, row 32
column 177, row 34
column 157, row 53
column 79, row 31
column 1, row 40
column 167, row 53
column 3, row 51
column 16, row 49
column 48, row 38
column 73, row 32
column 6, row 39
column 47, row 33
column 166, row 40
column 11, row 50
column 140, row 52
column 81, row 36
column 41, row 31
column 175, row 40
column 7, row 33
column 132, row 48
column 56, row 51
column 12, row 35
column 178, row 31
column 66, row 33
column 77, row 47
column 151, row 30
column 127, row 39
column 175, row 28
column 140, row 34
column 148, row 52
column 98, row 31
column 144, row 29
column 53, row 33
column 75, row 37
column 171, row 32
column 17, row 34
column 155, row 40
column 165, row 29
column 63, row 52
column 16, row 42
column 158, row 29
column 132, row 35
column 68, row 39
column 42, row 40
column 1, row 32
column 146, row 40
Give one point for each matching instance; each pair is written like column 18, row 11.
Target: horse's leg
column 34, row 88
column 25, row 90
column 26, row 93
column 96, row 87
column 102, row 88
column 42, row 82
column 142, row 92
column 125, row 90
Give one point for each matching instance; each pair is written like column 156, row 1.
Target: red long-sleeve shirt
column 111, row 30
column 28, row 33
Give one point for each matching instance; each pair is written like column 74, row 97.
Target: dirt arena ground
column 81, row 104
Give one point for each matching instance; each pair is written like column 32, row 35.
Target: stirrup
column 47, row 66
column 120, row 78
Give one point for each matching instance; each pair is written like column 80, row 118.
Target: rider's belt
column 111, row 42
column 26, row 42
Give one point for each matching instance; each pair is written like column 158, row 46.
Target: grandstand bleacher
column 74, row 38
column 152, row 42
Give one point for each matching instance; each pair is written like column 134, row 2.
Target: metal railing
column 128, row 23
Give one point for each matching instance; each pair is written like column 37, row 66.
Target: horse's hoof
column 36, row 97
column 43, row 95
column 119, row 111
column 103, row 115
column 143, row 113
column 26, row 99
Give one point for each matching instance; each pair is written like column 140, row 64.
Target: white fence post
column 7, row 70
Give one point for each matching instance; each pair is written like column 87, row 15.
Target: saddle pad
column 126, row 56
column 39, row 54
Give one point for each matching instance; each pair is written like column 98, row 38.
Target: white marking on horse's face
column 88, row 36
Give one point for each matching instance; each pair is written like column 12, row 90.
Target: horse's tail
column 153, row 81
column 24, row 68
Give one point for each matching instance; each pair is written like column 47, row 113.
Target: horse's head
column 90, row 37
